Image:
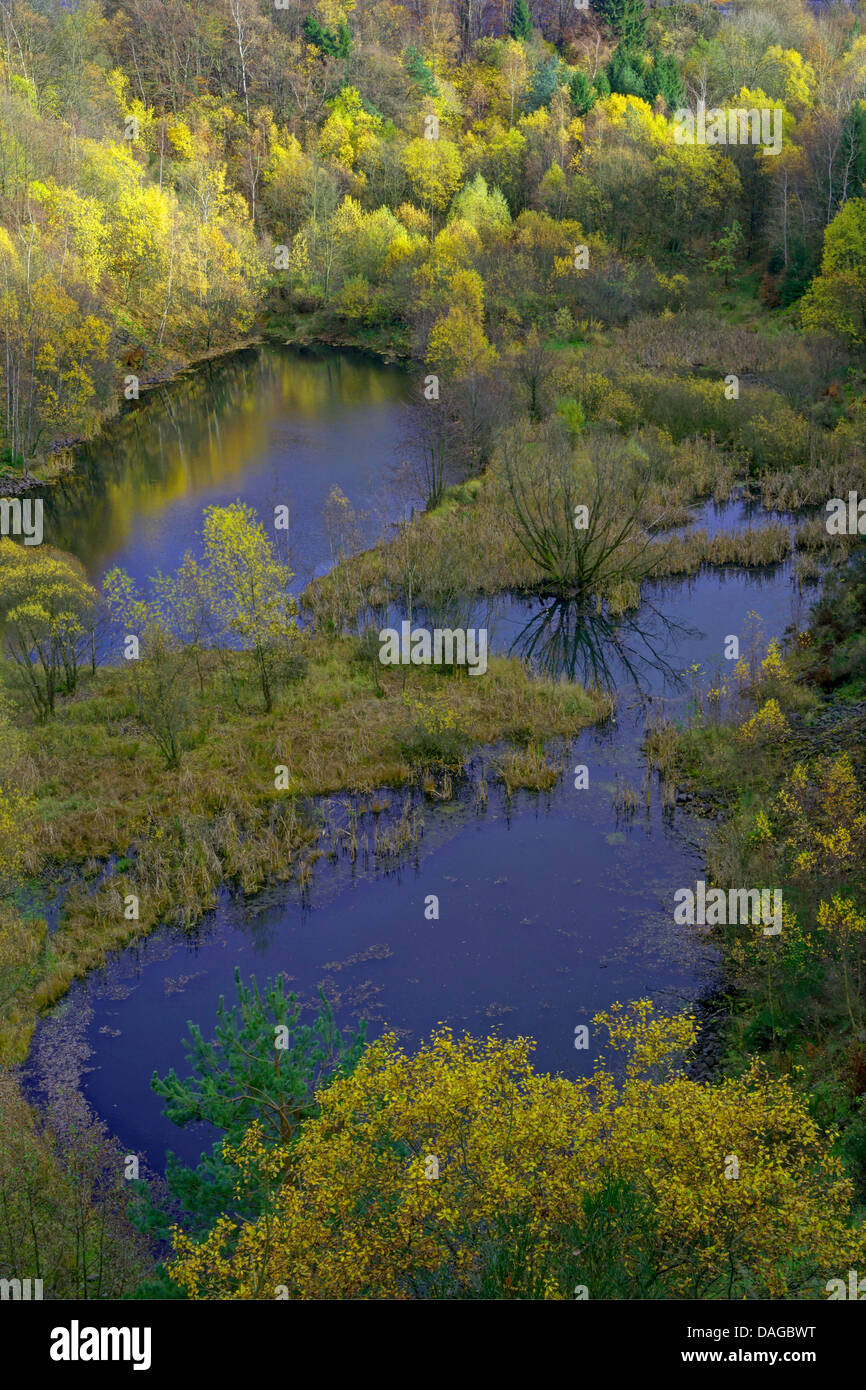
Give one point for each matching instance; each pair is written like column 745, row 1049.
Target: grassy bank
column 95, row 790
column 470, row 544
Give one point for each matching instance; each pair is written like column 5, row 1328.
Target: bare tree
column 534, row 366
column 582, row 521
column 429, row 447
column 241, row 18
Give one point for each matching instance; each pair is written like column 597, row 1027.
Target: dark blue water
column 551, row 906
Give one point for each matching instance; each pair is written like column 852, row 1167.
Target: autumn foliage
column 355, row 1213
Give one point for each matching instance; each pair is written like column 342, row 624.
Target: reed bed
column 528, row 769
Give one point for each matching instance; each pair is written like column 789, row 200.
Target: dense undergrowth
column 794, row 779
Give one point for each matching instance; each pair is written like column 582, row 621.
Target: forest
column 631, row 347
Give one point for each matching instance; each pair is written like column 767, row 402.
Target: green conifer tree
column 581, row 92
column 627, row 17
column 520, row 26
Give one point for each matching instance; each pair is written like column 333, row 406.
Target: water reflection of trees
column 568, row 638
column 199, row 431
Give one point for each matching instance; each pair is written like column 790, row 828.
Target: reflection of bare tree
column 585, row 643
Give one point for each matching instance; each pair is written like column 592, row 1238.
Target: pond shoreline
column 61, row 458
column 609, row 938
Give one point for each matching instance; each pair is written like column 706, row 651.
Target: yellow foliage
column 841, row 920
column 435, row 171
column 796, row 76
column 768, row 724
column 458, row 345
column 355, row 1210
column 182, row 140
column 772, row 664
column 437, row 715
column 413, row 219
column 17, row 831
column 821, row 819
column 456, row 244
column 350, row 132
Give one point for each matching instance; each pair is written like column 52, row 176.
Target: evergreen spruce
column 520, row 26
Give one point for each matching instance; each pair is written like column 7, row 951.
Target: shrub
column 460, row 1169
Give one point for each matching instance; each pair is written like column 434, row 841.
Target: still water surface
column 551, row 906
column 268, row 426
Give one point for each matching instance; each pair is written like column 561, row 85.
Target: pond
column 551, row 906
column 268, row 425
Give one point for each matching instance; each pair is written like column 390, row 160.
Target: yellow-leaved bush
column 767, row 725
column 819, row 817
column 357, row 1208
